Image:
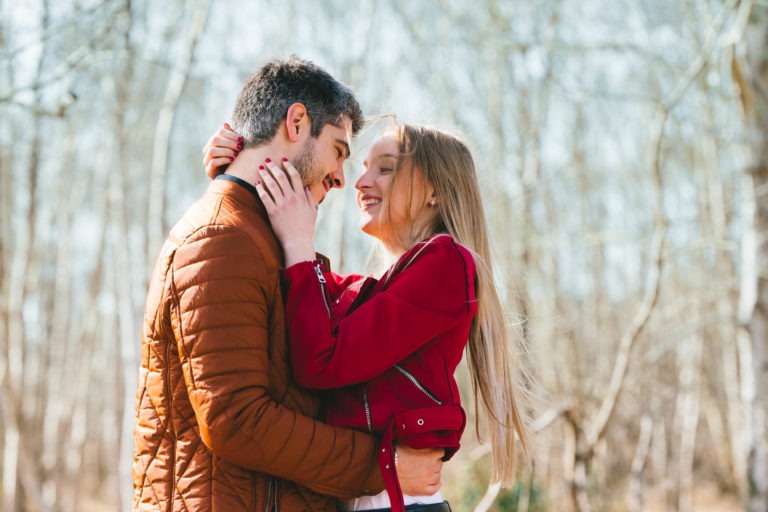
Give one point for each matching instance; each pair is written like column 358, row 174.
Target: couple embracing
column 270, row 383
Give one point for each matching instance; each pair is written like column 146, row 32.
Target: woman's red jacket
column 386, row 346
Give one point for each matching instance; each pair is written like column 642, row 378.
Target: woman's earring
column 433, row 203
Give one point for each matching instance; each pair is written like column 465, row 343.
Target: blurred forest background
column 622, row 148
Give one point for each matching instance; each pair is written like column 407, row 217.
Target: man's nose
column 337, row 177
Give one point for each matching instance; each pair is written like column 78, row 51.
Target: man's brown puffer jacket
column 220, row 425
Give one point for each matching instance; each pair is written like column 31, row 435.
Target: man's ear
column 296, row 120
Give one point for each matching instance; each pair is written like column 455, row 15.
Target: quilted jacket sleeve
column 221, row 296
column 432, row 294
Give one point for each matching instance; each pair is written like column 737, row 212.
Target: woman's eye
column 386, row 170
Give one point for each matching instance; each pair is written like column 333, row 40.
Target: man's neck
column 246, row 165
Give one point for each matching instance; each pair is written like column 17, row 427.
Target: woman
column 387, row 348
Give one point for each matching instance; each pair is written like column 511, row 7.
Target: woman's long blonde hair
column 447, row 164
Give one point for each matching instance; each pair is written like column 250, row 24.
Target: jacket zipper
column 268, row 497
column 254, row 490
column 272, row 499
column 321, row 279
column 171, row 421
column 277, row 496
column 418, row 384
column 367, row 410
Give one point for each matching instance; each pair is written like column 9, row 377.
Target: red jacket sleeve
column 429, row 296
column 337, row 283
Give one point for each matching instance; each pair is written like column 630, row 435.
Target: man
column 220, row 424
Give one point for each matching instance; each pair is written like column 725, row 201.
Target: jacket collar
column 240, row 190
column 245, row 193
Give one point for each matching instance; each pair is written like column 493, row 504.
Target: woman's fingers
column 266, row 197
column 271, row 185
column 222, row 148
column 219, row 142
column 225, row 137
column 216, row 166
column 228, row 133
column 290, row 180
column 282, row 187
column 280, row 177
column 309, row 198
column 293, row 174
column 215, row 152
column 265, row 192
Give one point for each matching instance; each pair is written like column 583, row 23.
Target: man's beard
column 306, row 163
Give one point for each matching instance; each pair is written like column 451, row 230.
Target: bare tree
column 751, row 75
column 178, row 75
column 609, row 155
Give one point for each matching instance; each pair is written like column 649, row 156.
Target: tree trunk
column 751, row 75
column 688, row 407
column 636, row 495
column 176, row 80
column 15, row 474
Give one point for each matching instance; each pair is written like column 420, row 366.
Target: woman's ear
column 432, row 199
column 296, row 120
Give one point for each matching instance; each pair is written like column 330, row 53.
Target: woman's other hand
column 221, row 150
column 291, row 209
column 419, row 471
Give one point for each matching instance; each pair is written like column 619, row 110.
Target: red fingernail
column 226, row 125
column 231, row 159
column 267, row 160
column 258, row 183
column 239, row 139
column 261, row 167
column 285, row 159
column 239, row 147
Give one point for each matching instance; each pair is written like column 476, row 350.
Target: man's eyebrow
column 344, row 144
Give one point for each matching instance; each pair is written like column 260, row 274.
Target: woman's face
column 374, row 185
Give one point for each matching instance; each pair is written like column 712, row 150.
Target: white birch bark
column 637, row 488
column 177, row 78
column 689, row 399
column 64, row 350
column 751, row 76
